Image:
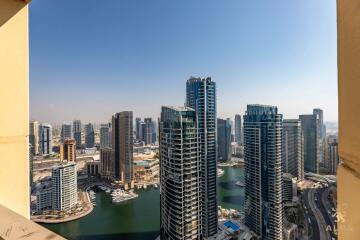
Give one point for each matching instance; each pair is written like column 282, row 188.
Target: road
column 310, row 216
column 325, row 207
column 318, row 213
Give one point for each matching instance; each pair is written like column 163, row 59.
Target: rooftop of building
column 64, row 164
column 259, row 109
column 179, row 108
column 199, row 79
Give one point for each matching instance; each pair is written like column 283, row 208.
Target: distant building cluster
column 145, row 131
column 191, row 141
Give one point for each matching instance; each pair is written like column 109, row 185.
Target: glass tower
column 311, row 129
column 201, row 96
column 263, row 173
column 293, row 148
column 179, row 174
column 104, row 136
column 77, row 133
column 89, row 135
column 224, row 140
column 122, row 144
column 45, row 138
column 65, row 132
column 238, row 128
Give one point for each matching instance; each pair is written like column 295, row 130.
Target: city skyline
column 142, row 51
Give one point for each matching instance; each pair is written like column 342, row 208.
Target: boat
column 220, row 172
column 239, row 184
column 119, row 195
column 155, row 186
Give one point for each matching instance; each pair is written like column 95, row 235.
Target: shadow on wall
column 7, row 11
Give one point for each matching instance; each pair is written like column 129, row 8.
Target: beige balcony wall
column 14, row 106
column 348, row 23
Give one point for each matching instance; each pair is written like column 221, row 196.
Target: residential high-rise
column 68, row 150
column 224, row 140
column 147, row 131
column 201, row 96
column 45, row 139
column 322, row 133
column 331, row 154
column 104, row 136
column 293, row 148
column 34, row 137
column 232, row 135
column 77, row 133
column 320, row 113
column 89, row 135
column 287, row 187
column 65, row 132
column 122, row 144
column 238, row 127
column 263, row 173
column 138, row 128
column 154, row 133
column 311, row 130
column 179, row 174
column 64, row 187
column 106, row 166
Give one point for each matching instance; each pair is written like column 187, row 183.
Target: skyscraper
column 122, row 144
column 179, row 174
column 106, row 166
column 64, row 187
column 238, row 127
column 34, row 137
column 104, row 136
column 331, row 154
column 89, row 135
column 154, row 129
column 201, row 96
column 224, row 140
column 147, row 131
column 138, row 128
column 68, row 150
column 311, row 129
column 320, row 113
column 322, row 133
column 293, row 148
column 65, row 132
column 77, row 133
column 45, row 139
column 263, row 173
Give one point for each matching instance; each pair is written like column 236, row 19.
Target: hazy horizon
column 88, row 61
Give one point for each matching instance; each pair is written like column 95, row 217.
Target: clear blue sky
column 89, row 59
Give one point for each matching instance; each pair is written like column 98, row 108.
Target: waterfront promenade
column 86, row 208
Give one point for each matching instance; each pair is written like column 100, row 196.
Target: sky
column 90, row 59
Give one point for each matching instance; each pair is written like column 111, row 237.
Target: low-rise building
column 44, row 200
column 93, row 167
column 146, row 170
column 290, row 231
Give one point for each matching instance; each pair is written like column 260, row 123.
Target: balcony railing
column 15, row 226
